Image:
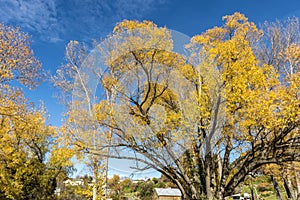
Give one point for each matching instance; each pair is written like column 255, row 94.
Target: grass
column 263, row 182
column 272, row 197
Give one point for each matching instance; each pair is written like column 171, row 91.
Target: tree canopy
column 205, row 120
column 29, row 163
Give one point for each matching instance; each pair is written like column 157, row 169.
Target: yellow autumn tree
column 17, row 59
column 256, row 103
column 80, row 129
column 206, row 119
column 25, row 138
column 280, row 48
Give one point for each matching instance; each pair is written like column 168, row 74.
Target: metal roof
column 168, row 192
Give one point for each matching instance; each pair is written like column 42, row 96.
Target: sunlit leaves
column 24, row 142
column 25, row 138
column 17, row 61
column 198, row 118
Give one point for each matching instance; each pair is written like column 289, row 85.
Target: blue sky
column 52, row 23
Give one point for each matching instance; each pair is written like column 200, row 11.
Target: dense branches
column 205, row 120
column 27, row 167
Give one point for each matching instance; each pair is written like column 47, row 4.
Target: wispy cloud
column 55, row 20
column 35, row 16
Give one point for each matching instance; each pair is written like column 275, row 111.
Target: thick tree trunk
column 95, row 179
column 297, row 180
column 253, row 193
column 287, row 189
column 276, row 187
column 221, row 193
column 219, row 189
column 208, row 183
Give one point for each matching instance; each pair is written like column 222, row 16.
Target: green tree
column 146, row 189
column 126, row 185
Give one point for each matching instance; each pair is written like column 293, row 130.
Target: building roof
column 174, row 192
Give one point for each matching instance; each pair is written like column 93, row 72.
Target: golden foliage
column 222, row 98
column 17, row 60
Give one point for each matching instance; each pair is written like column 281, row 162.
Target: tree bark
column 276, row 187
column 208, row 176
column 95, row 179
column 297, row 180
column 287, row 189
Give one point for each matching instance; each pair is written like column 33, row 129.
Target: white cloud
column 36, row 16
column 55, row 20
column 88, row 19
